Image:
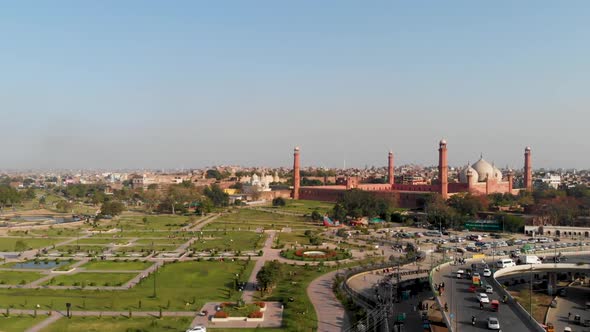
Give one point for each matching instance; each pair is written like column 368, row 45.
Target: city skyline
column 148, row 85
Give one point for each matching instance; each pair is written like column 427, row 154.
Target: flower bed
column 316, row 254
column 231, row 312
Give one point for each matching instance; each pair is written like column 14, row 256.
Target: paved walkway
column 330, row 313
column 267, row 254
column 574, row 303
column 273, row 318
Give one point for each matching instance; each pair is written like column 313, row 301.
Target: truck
column 530, row 260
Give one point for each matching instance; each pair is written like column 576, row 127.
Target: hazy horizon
column 182, row 84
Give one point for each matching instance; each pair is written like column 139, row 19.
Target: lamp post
column 531, row 294
column 155, row 274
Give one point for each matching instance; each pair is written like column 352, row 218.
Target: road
column 463, row 304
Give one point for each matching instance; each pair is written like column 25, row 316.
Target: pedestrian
column 569, row 314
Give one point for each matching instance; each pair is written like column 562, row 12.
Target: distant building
column 481, row 178
column 551, row 180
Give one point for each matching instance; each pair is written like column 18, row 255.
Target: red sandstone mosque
column 481, row 178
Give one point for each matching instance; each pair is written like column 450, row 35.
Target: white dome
column 465, row 171
column 497, row 174
column 483, row 169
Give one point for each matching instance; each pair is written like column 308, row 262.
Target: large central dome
column 484, row 169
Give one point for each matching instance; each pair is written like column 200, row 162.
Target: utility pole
column 531, row 294
column 155, row 273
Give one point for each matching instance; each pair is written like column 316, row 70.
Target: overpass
column 463, row 304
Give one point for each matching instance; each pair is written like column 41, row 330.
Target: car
column 493, row 323
column 489, row 289
column 483, row 298
column 475, row 274
column 197, row 328
column 487, row 273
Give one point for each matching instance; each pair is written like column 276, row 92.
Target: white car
column 493, row 323
column 197, row 328
column 487, row 273
column 489, row 289
column 483, row 298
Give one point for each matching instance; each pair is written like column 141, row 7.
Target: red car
column 473, row 288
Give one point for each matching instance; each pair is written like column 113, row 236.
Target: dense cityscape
column 297, row 166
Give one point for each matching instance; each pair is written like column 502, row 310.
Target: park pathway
column 45, row 323
column 330, row 313
column 51, row 275
column 202, row 223
column 56, row 315
column 267, row 254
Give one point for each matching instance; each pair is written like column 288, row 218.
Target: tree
column 64, row 206
column 112, row 208
column 269, row 275
column 357, row 203
column 279, row 201
column 216, row 195
column 438, row 212
column 30, row 193
column 20, row 246
column 213, row 174
column 468, row 204
column 316, row 215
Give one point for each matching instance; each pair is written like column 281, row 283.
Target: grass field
column 156, row 241
column 72, row 249
column 100, row 241
column 166, row 222
column 146, row 248
column 250, row 219
column 9, row 243
column 293, row 238
column 120, row 324
column 17, row 277
column 19, row 323
column 176, row 285
column 91, row 279
column 229, row 240
column 305, row 207
column 116, row 266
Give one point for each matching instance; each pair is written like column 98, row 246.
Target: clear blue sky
column 194, row 83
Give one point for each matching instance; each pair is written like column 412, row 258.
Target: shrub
column 260, row 304
column 255, row 314
column 221, row 314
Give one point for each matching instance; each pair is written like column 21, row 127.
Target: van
column 531, row 260
column 505, row 263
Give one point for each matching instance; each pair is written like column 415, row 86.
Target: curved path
column 330, row 313
column 463, row 304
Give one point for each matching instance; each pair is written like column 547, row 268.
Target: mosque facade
column 481, row 178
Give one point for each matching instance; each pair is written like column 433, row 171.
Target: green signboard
column 483, row 225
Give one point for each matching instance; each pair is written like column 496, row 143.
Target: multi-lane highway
column 463, row 304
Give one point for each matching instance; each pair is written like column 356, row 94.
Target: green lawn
column 101, row 241
column 91, row 279
column 17, row 277
column 293, row 238
column 147, row 248
column 19, row 323
column 176, row 285
column 72, row 249
column 9, row 243
column 156, row 241
column 305, row 207
column 254, row 218
column 166, row 222
column 116, row 266
column 229, row 241
column 120, row 324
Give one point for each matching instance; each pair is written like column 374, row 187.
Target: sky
column 186, row 84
